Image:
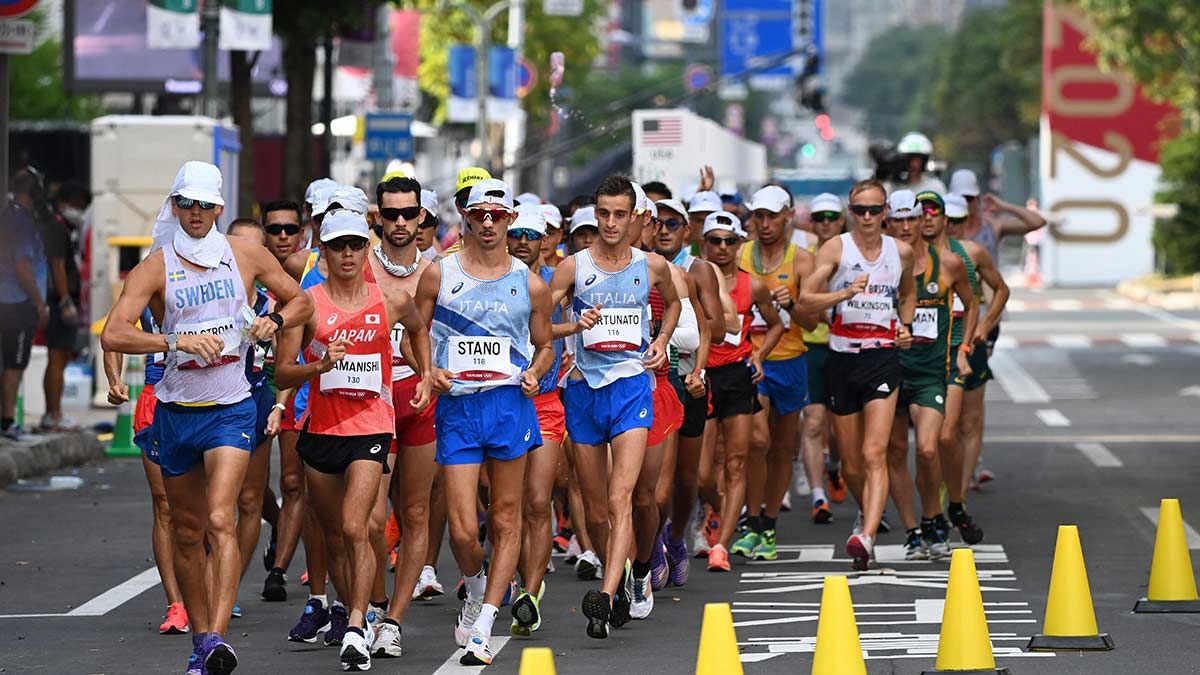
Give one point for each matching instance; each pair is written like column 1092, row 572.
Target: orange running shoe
column 712, row 527
column 177, row 620
column 837, row 487
column 304, row 578
column 718, row 559
column 821, row 513
column 392, row 559
column 392, row 531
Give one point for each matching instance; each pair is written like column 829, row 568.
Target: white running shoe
column 428, row 586
column 800, row 479
column 571, row 555
column 643, row 598
column 860, row 548
column 477, row 651
column 355, row 653
column 786, row 504
column 589, row 567
column 466, row 621
column 858, row 524
column 387, row 641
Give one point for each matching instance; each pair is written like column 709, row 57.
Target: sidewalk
column 41, row 453
column 1166, row 293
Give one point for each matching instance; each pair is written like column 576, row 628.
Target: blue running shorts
column 182, row 434
column 264, row 399
column 785, row 383
column 596, row 416
column 498, row 423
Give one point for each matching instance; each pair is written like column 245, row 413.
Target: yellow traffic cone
column 718, row 653
column 1070, row 620
column 838, row 650
column 964, row 645
column 1172, row 584
column 537, row 661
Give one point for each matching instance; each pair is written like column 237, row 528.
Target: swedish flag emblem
column 177, row 275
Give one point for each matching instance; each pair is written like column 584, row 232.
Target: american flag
column 665, row 131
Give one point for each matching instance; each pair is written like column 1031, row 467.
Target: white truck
column 672, row 145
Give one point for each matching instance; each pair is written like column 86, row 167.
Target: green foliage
column 36, row 89
column 1178, row 239
column 608, row 98
column 888, row 80
column 575, row 37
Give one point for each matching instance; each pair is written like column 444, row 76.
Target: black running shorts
column 17, row 328
column 333, row 454
column 853, row 380
column 733, row 392
column 695, row 410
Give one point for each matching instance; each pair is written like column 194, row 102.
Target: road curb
column 1173, row 294
column 22, row 459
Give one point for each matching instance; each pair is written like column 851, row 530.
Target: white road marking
column 1065, row 305
column 911, row 646
column 757, row 657
column 920, row 611
column 118, row 595
column 1193, row 390
column 1144, row 340
column 1193, row 537
column 1015, row 305
column 1098, row 438
column 1007, row 342
column 1100, row 455
column 453, row 667
column 1051, row 417
column 1018, row 384
column 1069, row 341
column 1139, row 359
column 1167, row 317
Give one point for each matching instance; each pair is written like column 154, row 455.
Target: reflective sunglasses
column 528, row 234
column 355, row 243
column 825, row 216
column 931, row 209
column 479, row 216
column 408, row 213
column 722, row 241
column 186, row 203
column 276, row 229
column 672, row 224
column 864, row 209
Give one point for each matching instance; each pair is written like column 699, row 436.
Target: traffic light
column 808, row 151
column 804, row 17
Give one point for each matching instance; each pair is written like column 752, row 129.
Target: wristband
column 908, row 327
column 279, row 406
column 965, row 348
column 277, row 318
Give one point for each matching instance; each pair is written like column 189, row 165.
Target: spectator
column 23, row 275
column 58, row 232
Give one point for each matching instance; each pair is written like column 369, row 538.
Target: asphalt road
column 1090, row 432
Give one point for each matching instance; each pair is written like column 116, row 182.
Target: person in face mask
column 59, row 229
column 196, row 283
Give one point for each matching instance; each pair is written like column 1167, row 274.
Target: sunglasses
column 528, row 234
column 672, row 224
column 825, row 216
column 957, row 221
column 429, row 223
column 340, row 244
column 479, row 216
column 408, row 213
column 186, row 203
column 276, row 229
column 931, row 209
column 864, row 209
column 722, row 241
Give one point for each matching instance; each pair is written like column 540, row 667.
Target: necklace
column 393, row 268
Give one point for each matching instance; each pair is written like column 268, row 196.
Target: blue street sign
column 389, row 136
column 754, row 32
column 697, row 76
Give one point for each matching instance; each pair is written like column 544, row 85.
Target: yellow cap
column 470, row 176
column 392, row 174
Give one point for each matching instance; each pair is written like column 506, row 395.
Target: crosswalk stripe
column 1051, row 417
column 1018, row 384
column 1193, row 537
column 1144, row 340
column 1100, row 455
column 453, row 667
column 1065, row 305
column 1069, row 341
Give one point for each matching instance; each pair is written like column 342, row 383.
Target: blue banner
column 754, row 32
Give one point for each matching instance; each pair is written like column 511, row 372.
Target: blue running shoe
column 658, row 564
column 677, row 559
column 237, row 611
column 219, row 657
column 339, row 621
column 314, row 620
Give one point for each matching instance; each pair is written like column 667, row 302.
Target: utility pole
column 4, row 103
column 212, row 24
column 327, row 104
column 514, row 136
column 385, row 68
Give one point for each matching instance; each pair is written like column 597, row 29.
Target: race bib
column 925, row 324
column 400, row 367
column 355, row 376
column 957, row 307
column 261, row 349
column 618, row 330
column 480, row 359
column 733, row 339
column 223, row 328
column 868, row 310
column 758, row 325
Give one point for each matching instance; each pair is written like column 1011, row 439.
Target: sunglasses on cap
column 825, row 216
column 957, row 221
column 672, row 224
column 528, row 234
column 721, row 241
column 186, row 203
column 480, row 215
column 931, row 209
column 276, row 229
column 864, row 209
column 429, row 223
column 392, row 213
column 340, row 244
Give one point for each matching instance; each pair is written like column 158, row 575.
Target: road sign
column 562, row 7
column 754, row 32
column 697, row 76
column 16, row 36
column 11, row 9
column 527, row 77
column 389, row 136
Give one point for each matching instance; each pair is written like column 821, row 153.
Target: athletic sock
column 278, row 570
column 356, row 630
column 640, row 569
column 476, row 584
column 487, row 616
column 382, row 606
column 818, row 495
column 323, row 598
column 767, row 522
column 392, row 622
column 755, row 524
column 338, row 603
column 955, row 509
